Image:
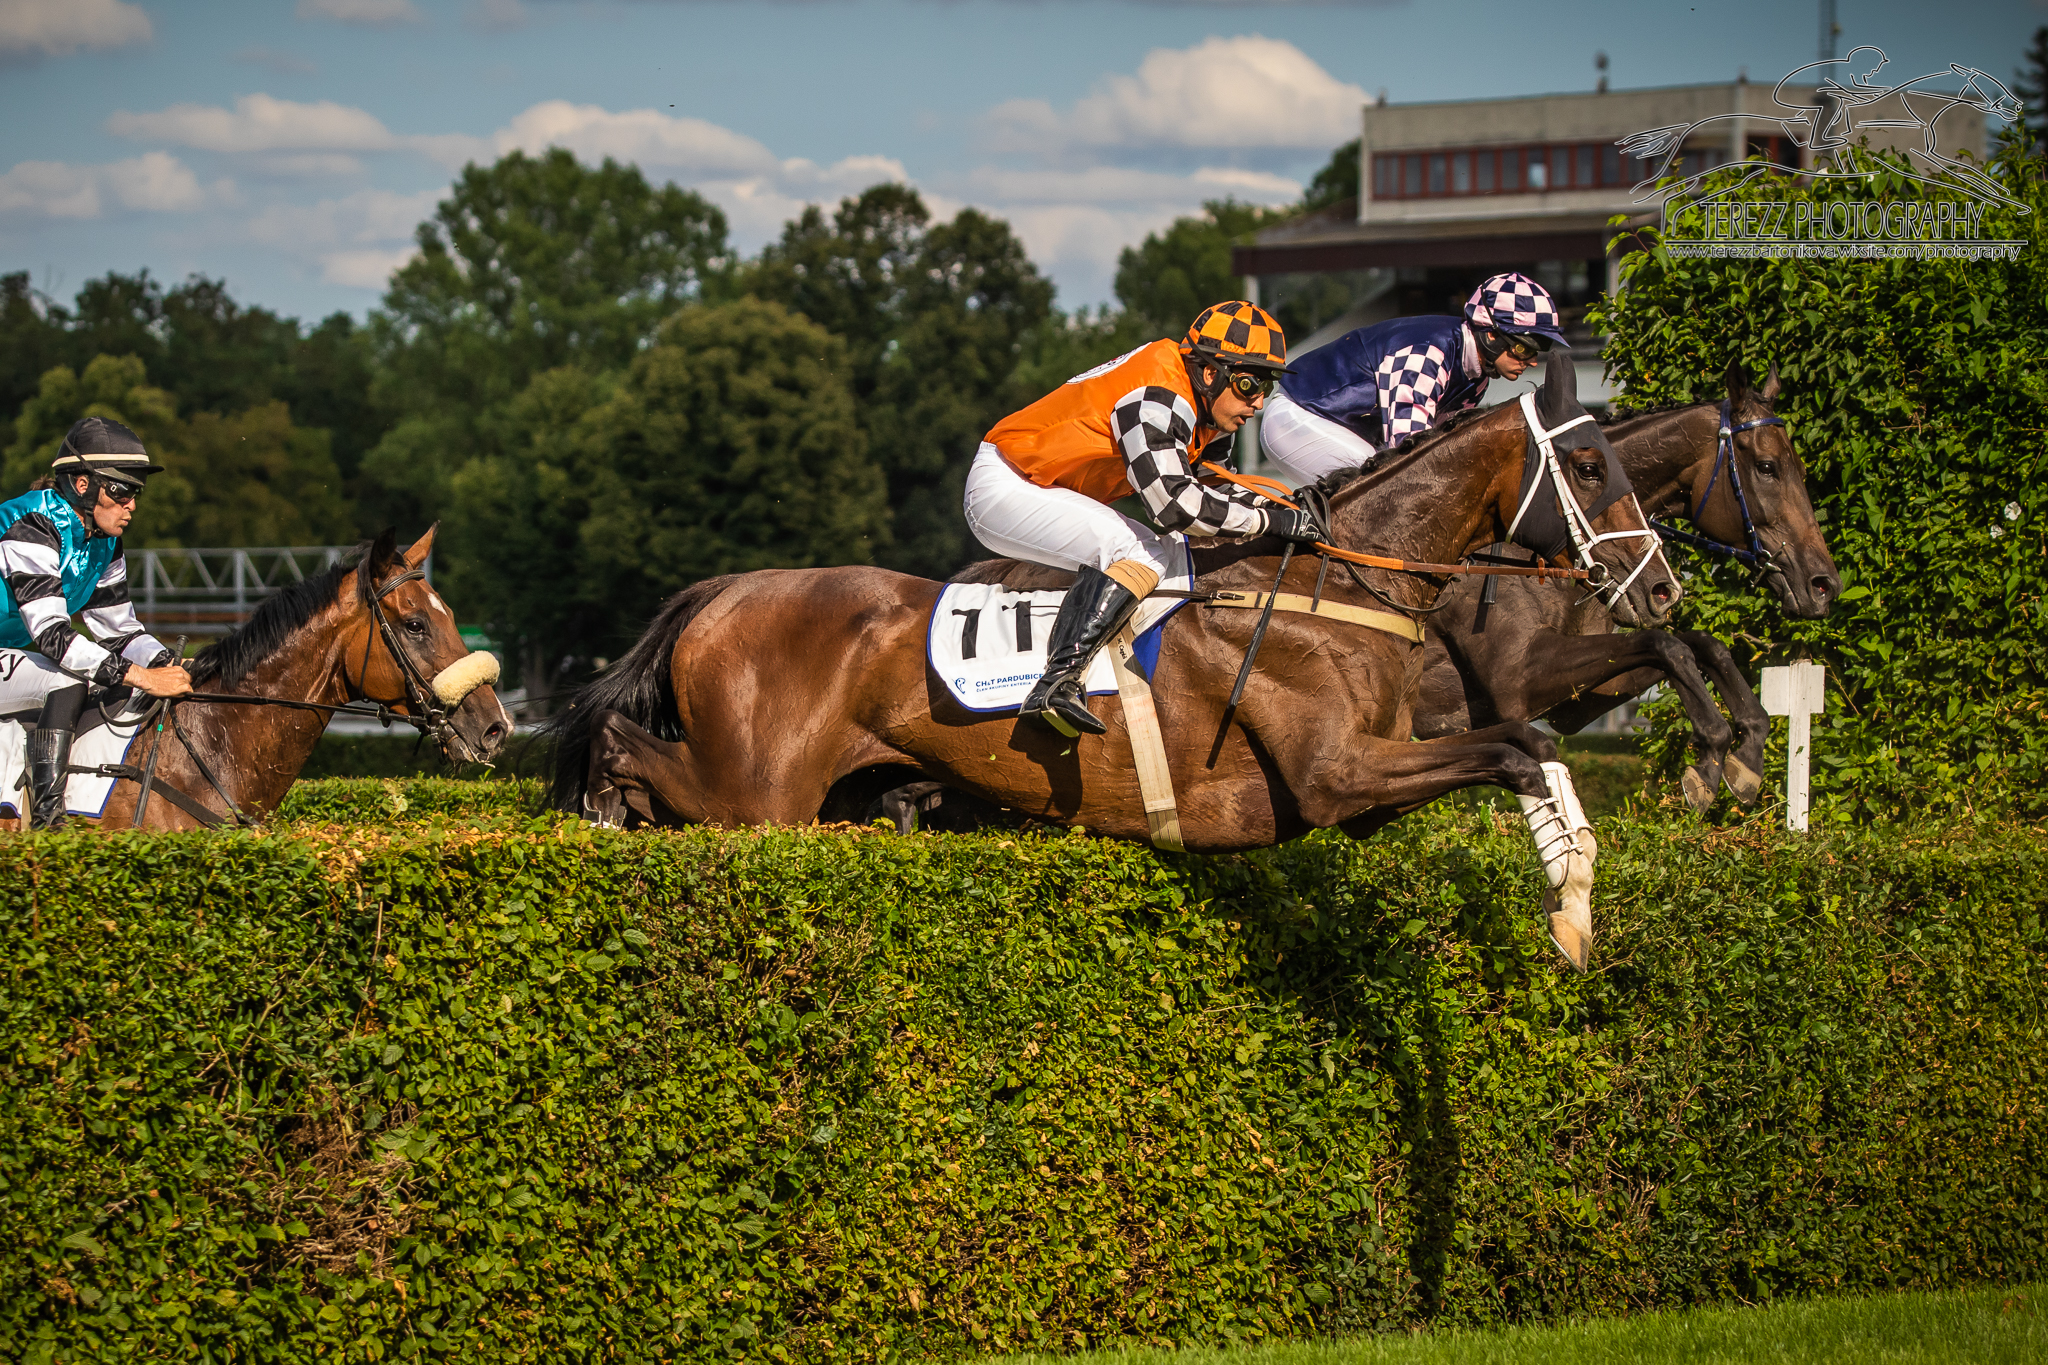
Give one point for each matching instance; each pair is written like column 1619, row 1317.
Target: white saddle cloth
column 988, row 644
column 104, row 742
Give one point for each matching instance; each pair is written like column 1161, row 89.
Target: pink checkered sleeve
column 1411, row 383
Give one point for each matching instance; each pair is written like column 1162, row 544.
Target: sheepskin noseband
column 463, row 677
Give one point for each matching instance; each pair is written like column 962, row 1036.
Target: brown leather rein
column 1280, row 493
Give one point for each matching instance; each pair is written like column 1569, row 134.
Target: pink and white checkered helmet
column 1512, row 302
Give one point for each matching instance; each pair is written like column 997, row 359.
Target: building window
column 1462, row 172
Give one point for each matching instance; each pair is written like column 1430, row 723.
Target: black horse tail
column 638, row 685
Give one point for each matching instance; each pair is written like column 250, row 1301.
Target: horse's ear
column 1738, row 380
column 1558, row 396
column 416, row 554
column 383, row 550
column 1770, row 389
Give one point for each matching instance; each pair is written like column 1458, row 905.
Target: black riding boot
column 1095, row 610
column 49, row 753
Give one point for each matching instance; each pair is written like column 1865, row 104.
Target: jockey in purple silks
column 1368, row 389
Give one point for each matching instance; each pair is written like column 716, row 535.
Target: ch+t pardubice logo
column 1832, row 119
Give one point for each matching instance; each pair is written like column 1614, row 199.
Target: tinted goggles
column 1520, row 347
column 1250, row 384
column 121, row 494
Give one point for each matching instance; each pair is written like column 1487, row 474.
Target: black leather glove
column 1290, row 523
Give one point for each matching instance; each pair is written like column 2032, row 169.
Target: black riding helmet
column 107, row 453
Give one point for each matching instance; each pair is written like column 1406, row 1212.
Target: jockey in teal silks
column 60, row 556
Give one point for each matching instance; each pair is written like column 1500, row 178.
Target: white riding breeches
column 1056, row 527
column 26, row 681
column 1305, row 446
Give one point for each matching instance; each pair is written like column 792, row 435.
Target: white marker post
column 1798, row 693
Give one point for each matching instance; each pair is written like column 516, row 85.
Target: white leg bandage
column 1553, row 836
column 1559, row 779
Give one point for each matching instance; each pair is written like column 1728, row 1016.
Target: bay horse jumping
column 751, row 695
column 1545, row 649
column 368, row 629
column 1537, row 651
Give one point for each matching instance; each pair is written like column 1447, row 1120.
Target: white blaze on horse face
column 438, row 604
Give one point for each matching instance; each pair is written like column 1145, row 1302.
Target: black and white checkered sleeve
column 31, row 561
column 1153, row 427
column 1411, row 382
column 110, row 616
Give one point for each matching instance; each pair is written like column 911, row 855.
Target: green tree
column 210, row 353
column 1173, row 275
column 249, row 478
column 530, row 264
column 1336, row 181
column 732, row 443
column 934, row 318
column 34, row 338
column 2031, row 85
column 328, row 385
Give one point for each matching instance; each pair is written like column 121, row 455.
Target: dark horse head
column 1771, row 479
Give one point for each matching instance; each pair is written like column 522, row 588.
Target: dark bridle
column 1757, row 557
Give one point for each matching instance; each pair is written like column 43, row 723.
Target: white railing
column 208, row 592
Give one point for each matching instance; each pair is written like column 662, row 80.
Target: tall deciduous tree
column 1336, row 181
column 247, row 478
column 732, row 443
column 934, row 317
column 530, row 264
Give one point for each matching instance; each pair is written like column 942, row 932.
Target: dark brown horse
column 320, row 643
column 750, row 696
column 1543, row 650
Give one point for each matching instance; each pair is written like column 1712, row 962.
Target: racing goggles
column 1522, row 348
column 1250, row 384
column 119, row 491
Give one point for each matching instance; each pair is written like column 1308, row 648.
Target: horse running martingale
column 1756, row 556
column 421, row 696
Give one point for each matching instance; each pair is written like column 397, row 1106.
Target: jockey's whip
column 163, row 704
column 1244, row 672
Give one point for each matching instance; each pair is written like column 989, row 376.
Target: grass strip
column 1991, row 1326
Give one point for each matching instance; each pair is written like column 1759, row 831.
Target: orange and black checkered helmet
column 1237, row 335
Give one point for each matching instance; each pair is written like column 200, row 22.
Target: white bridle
column 1580, row 526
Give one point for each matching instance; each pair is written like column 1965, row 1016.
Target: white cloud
column 1242, row 93
column 375, row 13
column 259, row 123
column 366, row 269
column 355, row 240
column 155, row 182
column 53, row 28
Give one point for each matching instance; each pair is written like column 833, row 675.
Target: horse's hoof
column 1570, row 910
column 1744, row 781
column 1699, row 792
column 1566, row 934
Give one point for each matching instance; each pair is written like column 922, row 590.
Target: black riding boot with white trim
column 1096, row 608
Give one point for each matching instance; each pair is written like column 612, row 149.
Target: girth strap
column 159, row 786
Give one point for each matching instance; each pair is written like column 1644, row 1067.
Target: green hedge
column 381, row 801
column 402, row 755
column 550, row 1093
column 1915, row 393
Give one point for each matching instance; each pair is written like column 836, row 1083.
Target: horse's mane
column 275, row 621
column 1615, row 415
column 1395, row 459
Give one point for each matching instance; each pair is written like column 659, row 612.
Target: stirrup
column 1065, row 709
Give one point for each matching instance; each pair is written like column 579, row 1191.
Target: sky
column 292, row 147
